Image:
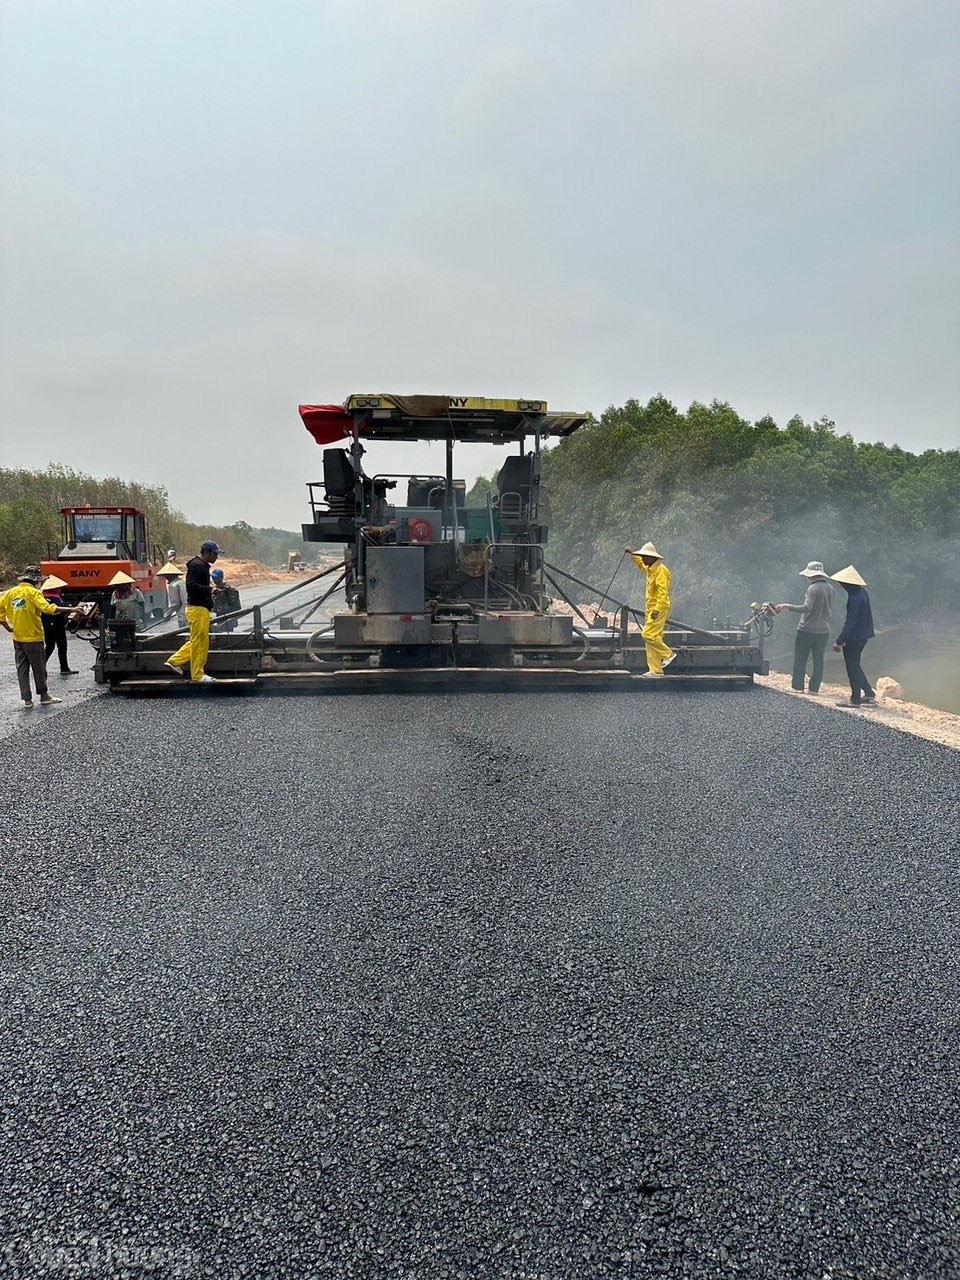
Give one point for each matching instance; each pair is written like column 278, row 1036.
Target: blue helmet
column 217, row 575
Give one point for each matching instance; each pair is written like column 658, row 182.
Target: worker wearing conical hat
column 857, row 629
column 55, row 625
column 172, row 575
column 650, row 562
column 127, row 603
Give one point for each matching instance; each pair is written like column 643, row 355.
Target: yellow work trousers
column 657, row 651
column 198, row 646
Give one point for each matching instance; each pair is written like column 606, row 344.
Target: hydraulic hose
column 526, row 602
column 321, row 631
column 609, row 587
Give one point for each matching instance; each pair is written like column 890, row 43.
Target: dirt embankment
column 247, row 573
column 251, row 573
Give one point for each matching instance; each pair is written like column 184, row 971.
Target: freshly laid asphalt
column 529, row 987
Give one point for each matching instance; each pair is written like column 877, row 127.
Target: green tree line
column 30, row 503
column 738, row 507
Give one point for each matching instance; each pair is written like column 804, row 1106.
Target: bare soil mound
column 247, row 573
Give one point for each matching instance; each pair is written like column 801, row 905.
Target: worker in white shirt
column 176, row 592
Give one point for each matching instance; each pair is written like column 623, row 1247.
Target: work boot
column 47, row 701
column 28, row 705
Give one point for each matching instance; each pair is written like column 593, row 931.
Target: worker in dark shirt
column 857, row 629
column 55, row 625
column 199, row 609
column 226, row 599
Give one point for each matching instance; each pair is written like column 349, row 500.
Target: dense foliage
column 30, row 503
column 737, row 508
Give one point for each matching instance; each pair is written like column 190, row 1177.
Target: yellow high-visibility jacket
column 21, row 607
column 658, row 588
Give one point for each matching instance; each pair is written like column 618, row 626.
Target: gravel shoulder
column 908, row 717
column 493, row 986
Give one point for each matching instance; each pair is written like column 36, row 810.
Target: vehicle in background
column 98, row 543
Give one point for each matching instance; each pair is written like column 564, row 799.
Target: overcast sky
column 215, row 211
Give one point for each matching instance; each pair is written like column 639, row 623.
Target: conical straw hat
column 120, row 579
column 648, row 549
column 170, row 570
column 53, row 583
column 848, row 575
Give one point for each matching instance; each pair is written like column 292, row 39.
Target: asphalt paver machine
column 431, row 589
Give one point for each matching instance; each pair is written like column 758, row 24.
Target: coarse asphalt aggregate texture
column 529, row 987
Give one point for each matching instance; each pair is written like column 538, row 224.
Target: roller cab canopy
column 464, row 418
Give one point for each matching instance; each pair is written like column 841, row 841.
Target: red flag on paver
column 326, row 422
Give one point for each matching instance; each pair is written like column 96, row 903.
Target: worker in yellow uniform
column 649, row 560
column 21, row 612
column 199, row 609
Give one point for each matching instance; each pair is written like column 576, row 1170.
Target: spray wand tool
column 762, row 618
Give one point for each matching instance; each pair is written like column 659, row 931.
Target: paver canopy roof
column 466, row 418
